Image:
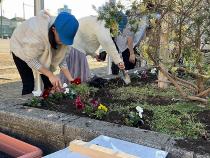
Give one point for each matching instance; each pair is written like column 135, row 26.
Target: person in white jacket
column 40, row 43
column 91, row 34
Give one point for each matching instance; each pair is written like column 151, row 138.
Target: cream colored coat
column 30, row 41
column 91, row 34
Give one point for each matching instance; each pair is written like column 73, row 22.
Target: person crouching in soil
column 40, row 43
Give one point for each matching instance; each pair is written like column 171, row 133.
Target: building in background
column 64, row 9
column 5, row 27
column 15, row 22
column 8, row 26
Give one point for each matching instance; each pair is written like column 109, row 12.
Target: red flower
column 76, row 81
column 94, row 102
column 46, row 93
column 79, row 104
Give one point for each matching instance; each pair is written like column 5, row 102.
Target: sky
column 80, row 8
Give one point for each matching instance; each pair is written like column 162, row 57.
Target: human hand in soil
column 71, row 80
column 55, row 82
column 132, row 58
column 121, row 66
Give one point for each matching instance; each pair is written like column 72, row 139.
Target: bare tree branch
column 204, row 93
column 205, row 101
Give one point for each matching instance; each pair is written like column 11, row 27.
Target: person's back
column 91, row 34
column 34, row 30
column 86, row 37
column 40, row 43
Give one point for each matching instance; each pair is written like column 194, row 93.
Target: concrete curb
column 52, row 131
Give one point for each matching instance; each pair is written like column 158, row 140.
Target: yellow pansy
column 102, row 107
column 174, row 69
column 153, row 22
column 143, row 8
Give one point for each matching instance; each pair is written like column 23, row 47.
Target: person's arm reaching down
column 64, row 68
column 132, row 57
column 104, row 38
column 35, row 64
column 53, row 78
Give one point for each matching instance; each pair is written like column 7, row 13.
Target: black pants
column 128, row 64
column 126, row 56
column 27, row 76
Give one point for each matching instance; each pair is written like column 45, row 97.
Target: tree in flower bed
column 177, row 34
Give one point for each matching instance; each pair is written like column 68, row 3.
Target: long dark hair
column 51, row 37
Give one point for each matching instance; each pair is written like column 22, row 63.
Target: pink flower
column 79, row 104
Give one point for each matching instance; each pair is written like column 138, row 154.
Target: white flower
column 65, row 85
column 66, row 91
column 135, row 72
column 140, row 111
column 73, row 92
column 153, row 71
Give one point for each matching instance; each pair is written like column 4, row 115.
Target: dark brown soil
column 202, row 144
column 64, row 106
column 204, row 117
column 104, row 96
column 159, row 100
column 3, row 155
column 67, row 106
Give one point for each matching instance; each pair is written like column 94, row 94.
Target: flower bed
column 138, row 105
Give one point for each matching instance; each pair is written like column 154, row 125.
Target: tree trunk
column 164, row 52
column 200, row 80
column 178, row 55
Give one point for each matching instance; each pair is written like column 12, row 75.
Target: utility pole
column 23, row 10
column 38, row 5
column 1, row 20
column 112, row 1
column 26, row 5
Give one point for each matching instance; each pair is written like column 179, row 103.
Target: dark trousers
column 128, row 64
column 126, row 56
column 27, row 76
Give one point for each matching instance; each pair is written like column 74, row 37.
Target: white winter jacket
column 30, row 41
column 91, row 34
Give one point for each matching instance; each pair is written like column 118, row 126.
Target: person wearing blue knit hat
column 40, row 43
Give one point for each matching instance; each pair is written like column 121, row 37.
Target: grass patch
column 177, row 120
column 143, row 91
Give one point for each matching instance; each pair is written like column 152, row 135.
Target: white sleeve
column 104, row 37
